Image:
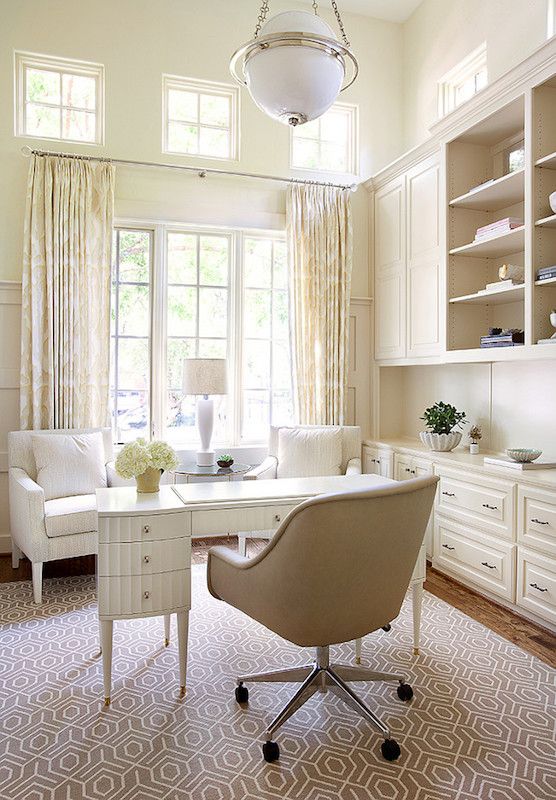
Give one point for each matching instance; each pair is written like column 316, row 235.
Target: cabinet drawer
column 536, row 583
column 144, row 558
column 537, row 518
column 230, row 520
column 478, row 558
column 487, row 503
column 137, row 595
column 137, row 529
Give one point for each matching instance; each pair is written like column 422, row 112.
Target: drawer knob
column 146, row 595
column 539, row 522
column 537, row 587
column 146, row 528
column 447, row 547
column 486, row 564
column 448, row 494
column 277, row 517
column 490, row 508
column 147, row 559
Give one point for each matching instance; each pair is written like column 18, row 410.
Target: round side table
column 192, row 470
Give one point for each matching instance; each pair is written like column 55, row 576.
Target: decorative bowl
column 225, row 464
column 440, row 442
column 552, row 201
column 523, row 455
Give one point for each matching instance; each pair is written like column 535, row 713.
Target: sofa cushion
column 306, row 452
column 67, row 515
column 69, row 464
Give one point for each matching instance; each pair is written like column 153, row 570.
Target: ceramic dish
column 523, row 454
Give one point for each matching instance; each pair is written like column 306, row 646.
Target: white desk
column 144, row 561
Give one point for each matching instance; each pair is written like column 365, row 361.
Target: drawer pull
column 146, row 595
column 277, row 517
column 486, row 564
column 537, row 587
column 447, row 546
column 539, row 522
column 407, row 469
column 147, row 559
column 448, row 494
column 490, row 508
column 146, row 528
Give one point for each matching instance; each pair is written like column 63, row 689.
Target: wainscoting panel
column 359, row 372
column 10, row 326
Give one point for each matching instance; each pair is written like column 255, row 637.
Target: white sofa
column 46, row 530
column 270, row 467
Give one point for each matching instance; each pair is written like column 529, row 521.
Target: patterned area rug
column 481, row 725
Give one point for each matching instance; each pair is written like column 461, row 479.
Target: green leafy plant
column 227, row 458
column 443, row 417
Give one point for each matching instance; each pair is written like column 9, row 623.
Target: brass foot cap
column 166, row 642
column 357, row 659
column 106, row 701
column 415, row 651
column 182, row 691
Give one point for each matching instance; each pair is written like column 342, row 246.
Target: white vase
column 552, row 201
column 440, row 442
column 473, row 448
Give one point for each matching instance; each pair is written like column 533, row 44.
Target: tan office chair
column 337, row 569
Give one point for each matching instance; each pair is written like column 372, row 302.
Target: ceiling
column 393, row 10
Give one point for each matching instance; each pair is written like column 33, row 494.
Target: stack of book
column 545, row 273
column 497, row 228
column 497, row 337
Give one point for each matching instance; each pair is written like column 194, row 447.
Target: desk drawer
column 536, row 583
column 233, row 520
column 144, row 558
column 486, row 503
column 537, row 518
column 138, row 595
column 475, row 557
column 149, row 528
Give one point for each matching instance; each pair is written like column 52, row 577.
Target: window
column 463, row 81
column 59, row 99
column 329, row 143
column 200, row 118
column 211, row 294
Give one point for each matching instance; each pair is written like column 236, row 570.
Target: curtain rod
column 202, row 172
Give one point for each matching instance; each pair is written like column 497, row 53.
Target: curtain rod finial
column 26, row 151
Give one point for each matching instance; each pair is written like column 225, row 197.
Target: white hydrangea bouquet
column 145, row 461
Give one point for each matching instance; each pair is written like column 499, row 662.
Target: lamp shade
column 205, row 376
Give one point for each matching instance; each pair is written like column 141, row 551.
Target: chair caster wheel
column 387, row 627
column 390, row 749
column 405, row 692
column 242, row 694
column 271, row 752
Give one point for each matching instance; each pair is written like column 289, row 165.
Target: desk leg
column 358, row 643
column 166, row 630
column 183, row 627
column 417, row 598
column 106, row 629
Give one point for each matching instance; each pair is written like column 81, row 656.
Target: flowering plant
column 138, row 456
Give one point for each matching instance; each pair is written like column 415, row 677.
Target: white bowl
column 523, row 455
column 552, row 201
column 440, row 442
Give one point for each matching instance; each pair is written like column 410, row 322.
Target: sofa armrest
column 268, row 469
column 27, row 514
column 113, row 479
column 353, row 466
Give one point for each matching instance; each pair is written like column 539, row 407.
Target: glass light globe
column 294, row 83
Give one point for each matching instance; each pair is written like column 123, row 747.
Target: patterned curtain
column 65, row 345
column 320, row 254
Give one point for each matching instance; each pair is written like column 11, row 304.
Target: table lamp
column 206, row 377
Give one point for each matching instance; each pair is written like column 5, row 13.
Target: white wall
column 440, row 33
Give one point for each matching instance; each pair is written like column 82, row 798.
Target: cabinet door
column 390, row 270
column 423, row 259
column 371, row 461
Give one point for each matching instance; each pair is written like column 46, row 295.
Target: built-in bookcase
column 475, row 157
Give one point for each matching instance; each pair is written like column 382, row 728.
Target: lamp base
column 205, row 458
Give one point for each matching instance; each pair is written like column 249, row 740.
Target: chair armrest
column 223, row 563
column 353, row 466
column 268, row 469
column 27, row 514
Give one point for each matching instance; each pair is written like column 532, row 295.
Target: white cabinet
column 390, row 270
column 378, row 462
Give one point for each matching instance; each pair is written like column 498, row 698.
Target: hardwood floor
column 530, row 637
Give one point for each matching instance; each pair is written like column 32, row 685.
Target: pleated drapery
column 65, row 347
column 319, row 232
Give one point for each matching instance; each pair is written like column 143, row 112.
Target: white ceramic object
column 523, row 455
column 552, row 201
column 473, row 448
column 440, row 442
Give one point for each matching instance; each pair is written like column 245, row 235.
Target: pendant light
column 294, row 66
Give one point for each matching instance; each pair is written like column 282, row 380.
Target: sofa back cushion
column 20, row 446
column 70, row 464
column 351, row 440
column 309, row 452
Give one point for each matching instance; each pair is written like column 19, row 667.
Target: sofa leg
column 16, row 555
column 37, row 581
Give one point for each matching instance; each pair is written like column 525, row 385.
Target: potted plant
column 225, row 461
column 146, row 462
column 475, row 435
column 442, row 419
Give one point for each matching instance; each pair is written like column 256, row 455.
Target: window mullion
column 159, row 288
column 236, row 334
